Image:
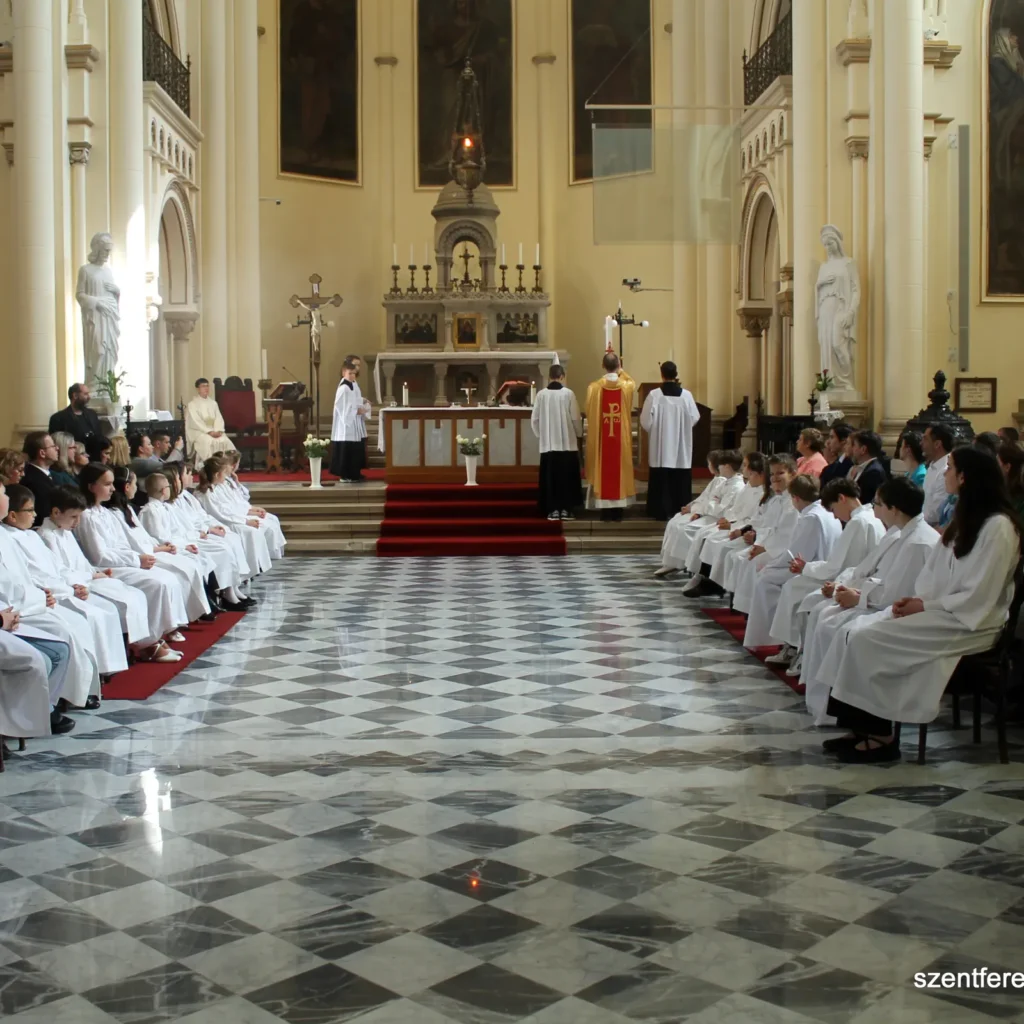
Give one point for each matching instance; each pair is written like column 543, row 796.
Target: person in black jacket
column 41, row 453
column 835, row 446
column 869, row 473
column 77, row 419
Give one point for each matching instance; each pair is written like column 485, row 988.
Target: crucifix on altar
column 314, row 321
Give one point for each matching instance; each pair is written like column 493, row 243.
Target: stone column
column 549, row 141
column 247, row 191
column 857, row 148
column 214, row 192
column 128, row 195
column 756, row 321
column 78, row 154
column 35, row 395
column 903, row 171
column 162, row 374
column 441, row 382
column 179, row 325
column 810, row 164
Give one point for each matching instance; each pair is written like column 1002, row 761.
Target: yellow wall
column 345, row 232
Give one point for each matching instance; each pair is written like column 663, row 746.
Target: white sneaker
column 664, row 571
column 568, row 517
column 796, row 667
column 553, row 517
column 694, row 583
column 784, row 657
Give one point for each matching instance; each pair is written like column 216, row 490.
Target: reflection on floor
column 490, row 791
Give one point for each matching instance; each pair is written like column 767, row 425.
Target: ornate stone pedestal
column 856, row 411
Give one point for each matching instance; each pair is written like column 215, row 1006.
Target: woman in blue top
column 911, row 454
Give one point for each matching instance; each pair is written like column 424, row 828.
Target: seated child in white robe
column 895, row 668
column 813, row 538
column 219, row 502
column 268, row 522
column 705, row 500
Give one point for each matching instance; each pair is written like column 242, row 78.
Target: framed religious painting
column 449, row 33
column 612, row 62
column 1003, row 168
column 466, row 330
column 319, row 95
column 974, row 394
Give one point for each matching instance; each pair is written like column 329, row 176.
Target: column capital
column 854, row 51
column 79, row 152
column 81, row 56
column 6, row 59
column 785, row 304
column 755, row 320
column 180, row 323
column 858, row 147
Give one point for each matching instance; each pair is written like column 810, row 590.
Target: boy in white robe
column 882, row 579
column 669, row 416
column 862, row 532
column 348, row 426
column 683, row 528
column 895, row 668
column 812, row 540
column 33, row 665
column 735, row 516
column 103, row 618
column 558, row 425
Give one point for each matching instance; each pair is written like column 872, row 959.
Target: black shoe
column 837, row 743
column 60, row 724
column 62, row 706
column 240, row 608
column 208, row 617
column 883, row 754
column 92, row 703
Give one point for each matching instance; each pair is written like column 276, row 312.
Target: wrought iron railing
column 160, row 64
column 773, row 59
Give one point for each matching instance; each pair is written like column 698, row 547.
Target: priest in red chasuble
column 610, row 483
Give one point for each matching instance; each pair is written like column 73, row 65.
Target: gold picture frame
column 467, row 329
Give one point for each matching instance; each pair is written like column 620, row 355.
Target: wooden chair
column 988, row 672
column 237, row 402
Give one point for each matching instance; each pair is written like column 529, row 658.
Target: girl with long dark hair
column 896, row 667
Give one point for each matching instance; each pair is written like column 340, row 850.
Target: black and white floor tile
column 495, row 791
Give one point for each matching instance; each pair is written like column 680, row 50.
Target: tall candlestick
column 533, row 393
column 520, row 252
column 536, row 260
column 405, row 395
column 394, row 254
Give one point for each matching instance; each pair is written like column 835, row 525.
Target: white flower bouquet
column 316, row 447
column 474, row 446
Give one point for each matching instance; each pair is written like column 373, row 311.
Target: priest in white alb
column 669, row 416
column 204, row 424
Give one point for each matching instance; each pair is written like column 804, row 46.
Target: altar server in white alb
column 204, row 424
column 669, row 416
column 812, row 540
column 557, row 422
column 40, row 611
column 102, row 617
column 886, row 576
column 57, row 533
column 348, row 429
column 775, row 517
column 862, row 533
column 734, row 518
column 895, row 669
column 683, row 528
column 33, row 665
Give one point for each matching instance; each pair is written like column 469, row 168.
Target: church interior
column 401, row 727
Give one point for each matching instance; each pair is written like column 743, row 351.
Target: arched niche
column 447, row 245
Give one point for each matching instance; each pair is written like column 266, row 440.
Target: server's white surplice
column 669, row 421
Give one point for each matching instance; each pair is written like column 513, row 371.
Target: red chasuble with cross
column 610, row 442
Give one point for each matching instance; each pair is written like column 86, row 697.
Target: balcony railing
column 773, row 59
column 160, row 64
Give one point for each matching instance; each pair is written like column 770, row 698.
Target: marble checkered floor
column 494, row 791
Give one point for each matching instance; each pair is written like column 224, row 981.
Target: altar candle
column 533, row 392
column 608, row 333
column 520, row 253
column 263, row 363
column 405, row 395
column 536, row 259
column 412, row 255
column 394, row 254
column 503, row 263
column 426, row 255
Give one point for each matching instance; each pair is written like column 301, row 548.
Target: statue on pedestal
column 836, row 302
column 99, row 296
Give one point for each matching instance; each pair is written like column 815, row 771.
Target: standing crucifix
column 312, row 305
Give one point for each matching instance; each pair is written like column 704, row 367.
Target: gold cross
column 613, row 416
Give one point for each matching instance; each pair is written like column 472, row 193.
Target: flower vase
column 471, row 461
column 823, row 405
column 314, row 472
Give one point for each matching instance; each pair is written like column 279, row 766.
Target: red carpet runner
column 145, row 678
column 439, row 520
column 736, row 625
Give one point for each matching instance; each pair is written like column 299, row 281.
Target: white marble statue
column 837, row 302
column 98, row 295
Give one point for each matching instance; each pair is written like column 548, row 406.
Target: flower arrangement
column 824, row 381
column 471, row 447
column 110, row 385
column 316, row 447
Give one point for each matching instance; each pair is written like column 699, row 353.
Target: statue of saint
column 837, row 302
column 98, row 295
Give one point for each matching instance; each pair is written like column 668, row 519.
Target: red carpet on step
column 300, row 476
column 145, row 678
column 735, row 625
column 437, row 520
